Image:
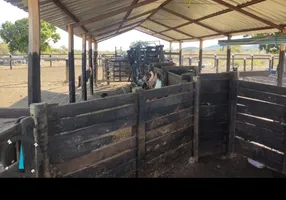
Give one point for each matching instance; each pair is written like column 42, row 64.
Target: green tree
column 268, row 48
column 16, row 35
column 138, row 43
column 3, row 48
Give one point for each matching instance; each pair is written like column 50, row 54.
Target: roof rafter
column 151, row 34
column 112, row 13
column 156, row 32
column 244, row 5
column 115, row 34
column 193, row 21
column 154, row 21
column 127, row 15
column 234, row 8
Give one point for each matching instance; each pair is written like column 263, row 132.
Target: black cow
column 88, row 74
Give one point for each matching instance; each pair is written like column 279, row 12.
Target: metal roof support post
column 170, row 56
column 34, row 68
column 90, row 64
column 71, row 71
column 181, row 53
column 228, row 56
column 201, row 56
column 95, row 61
column 281, row 67
column 83, row 67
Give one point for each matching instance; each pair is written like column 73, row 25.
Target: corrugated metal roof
column 166, row 19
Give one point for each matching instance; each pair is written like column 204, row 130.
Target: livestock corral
column 170, row 120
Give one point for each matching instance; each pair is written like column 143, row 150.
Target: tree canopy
column 3, row 48
column 16, row 35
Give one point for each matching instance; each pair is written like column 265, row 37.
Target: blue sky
column 12, row 13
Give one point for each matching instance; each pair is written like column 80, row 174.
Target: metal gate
column 117, row 70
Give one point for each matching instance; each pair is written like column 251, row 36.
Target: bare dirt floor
column 55, row 89
column 216, row 167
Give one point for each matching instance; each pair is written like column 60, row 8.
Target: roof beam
column 112, row 13
column 68, row 13
column 127, row 15
column 157, row 32
column 118, row 23
column 234, row 8
column 244, row 5
column 154, row 21
column 114, row 35
column 151, row 34
column 193, row 21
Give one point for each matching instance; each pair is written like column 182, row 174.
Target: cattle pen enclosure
column 145, row 133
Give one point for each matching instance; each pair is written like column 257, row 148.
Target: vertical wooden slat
column 90, row 64
column 201, row 56
column 197, row 86
column 252, row 62
column 180, row 56
column 141, row 135
column 83, row 73
column 244, row 64
column 95, row 60
column 34, row 71
column 233, row 86
column 10, row 61
column 228, row 56
column 72, row 97
column 170, row 56
column 281, row 63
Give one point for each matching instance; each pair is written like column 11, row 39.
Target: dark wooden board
column 213, row 124
column 210, row 148
column 120, row 171
column 214, row 86
column 169, row 101
column 170, row 128
column 162, row 121
column 72, row 110
column 262, row 87
column 164, row 144
column 261, row 109
column 260, row 154
column 10, row 132
column 213, row 136
column 174, row 79
column 71, row 124
column 167, row 91
column 216, row 76
column 105, row 165
column 14, row 112
column 159, row 112
column 94, row 157
column 218, row 98
column 167, row 161
column 273, row 126
column 254, row 73
column 273, row 98
column 220, row 111
column 259, row 135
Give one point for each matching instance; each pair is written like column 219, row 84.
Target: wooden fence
column 117, row 70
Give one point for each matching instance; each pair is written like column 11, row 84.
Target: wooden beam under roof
column 112, row 13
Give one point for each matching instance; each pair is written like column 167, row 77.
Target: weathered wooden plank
column 197, row 102
column 168, row 101
column 262, row 136
column 174, row 79
column 214, row 86
column 220, row 98
column 72, row 110
column 273, row 126
column 120, row 171
column 70, row 124
column 273, row 98
column 261, row 109
column 211, row 148
column 266, row 156
column 160, row 145
column 167, row 91
column 262, row 87
column 219, row 135
column 154, row 124
column 170, row 128
column 159, row 112
column 105, row 165
column 10, row 132
column 167, row 161
column 220, row 111
column 96, row 156
column 216, row 76
column 213, row 124
column 14, row 112
column 254, row 73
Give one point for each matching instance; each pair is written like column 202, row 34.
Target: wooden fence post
column 197, row 86
column 233, row 86
column 39, row 114
column 10, row 61
column 51, row 62
column 141, row 133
